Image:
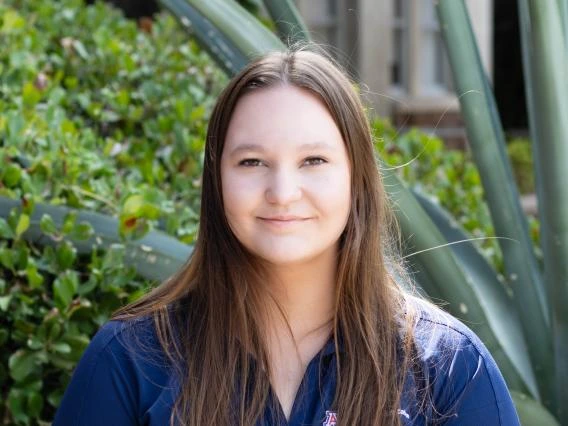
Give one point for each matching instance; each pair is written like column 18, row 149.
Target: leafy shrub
column 95, row 114
column 450, row 177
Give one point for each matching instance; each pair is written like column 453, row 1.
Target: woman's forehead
column 279, row 115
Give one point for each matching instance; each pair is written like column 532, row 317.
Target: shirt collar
column 329, row 348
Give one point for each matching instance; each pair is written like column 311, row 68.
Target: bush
column 450, row 177
column 95, row 114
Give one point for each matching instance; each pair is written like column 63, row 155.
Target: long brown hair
column 209, row 316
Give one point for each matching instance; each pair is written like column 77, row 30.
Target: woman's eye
column 250, row 162
column 314, row 161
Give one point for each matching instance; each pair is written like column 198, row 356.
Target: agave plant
column 526, row 331
column 539, row 296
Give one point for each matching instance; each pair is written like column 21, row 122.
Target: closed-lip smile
column 283, row 218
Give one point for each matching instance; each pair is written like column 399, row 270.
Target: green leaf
column 12, row 175
column 47, row 225
column 34, row 343
column 23, row 363
column 114, row 257
column 61, row 347
column 55, row 397
column 6, row 258
column 35, row 279
column 12, row 210
column 80, row 49
column 5, row 230
column 82, row 231
column 78, row 344
column 25, row 403
column 30, row 95
column 532, row 412
column 17, row 405
column 61, row 361
column 23, row 224
column 66, row 254
column 88, row 286
column 5, row 302
column 28, row 201
column 67, row 126
column 227, row 31
column 69, row 222
column 12, row 21
column 54, row 328
column 34, row 404
column 64, row 288
column 133, row 206
column 21, row 254
column 291, row 28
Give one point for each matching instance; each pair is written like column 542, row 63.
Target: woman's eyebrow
column 311, row 146
column 247, row 147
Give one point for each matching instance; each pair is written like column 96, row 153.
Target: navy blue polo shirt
column 123, row 379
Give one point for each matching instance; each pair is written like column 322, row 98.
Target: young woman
column 287, row 312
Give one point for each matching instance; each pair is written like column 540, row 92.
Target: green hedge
column 98, row 115
column 448, row 176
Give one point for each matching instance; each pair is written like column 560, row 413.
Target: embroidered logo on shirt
column 330, row 418
column 403, row 413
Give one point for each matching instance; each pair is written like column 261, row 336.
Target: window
column 334, row 24
column 436, row 75
column 323, row 20
column 399, row 65
column 419, row 65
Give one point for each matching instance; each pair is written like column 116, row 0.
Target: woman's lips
column 282, row 222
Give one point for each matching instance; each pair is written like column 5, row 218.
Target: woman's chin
column 285, row 260
column 289, row 258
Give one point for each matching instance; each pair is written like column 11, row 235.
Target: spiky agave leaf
column 487, row 143
column 545, row 60
column 289, row 24
column 225, row 29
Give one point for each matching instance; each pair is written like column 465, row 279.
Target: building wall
column 411, row 83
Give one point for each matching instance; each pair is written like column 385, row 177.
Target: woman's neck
column 306, row 294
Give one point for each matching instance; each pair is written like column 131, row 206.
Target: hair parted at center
column 210, row 318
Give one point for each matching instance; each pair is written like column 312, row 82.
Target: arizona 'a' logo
column 330, row 418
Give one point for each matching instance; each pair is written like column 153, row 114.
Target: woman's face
column 285, row 176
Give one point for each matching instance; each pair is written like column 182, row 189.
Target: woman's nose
column 283, row 187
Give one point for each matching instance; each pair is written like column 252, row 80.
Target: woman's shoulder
column 437, row 332
column 441, row 341
column 122, row 336
column 133, row 347
column 463, row 381
column 120, row 378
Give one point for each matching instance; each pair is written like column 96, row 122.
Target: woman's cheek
column 332, row 184
column 241, row 194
